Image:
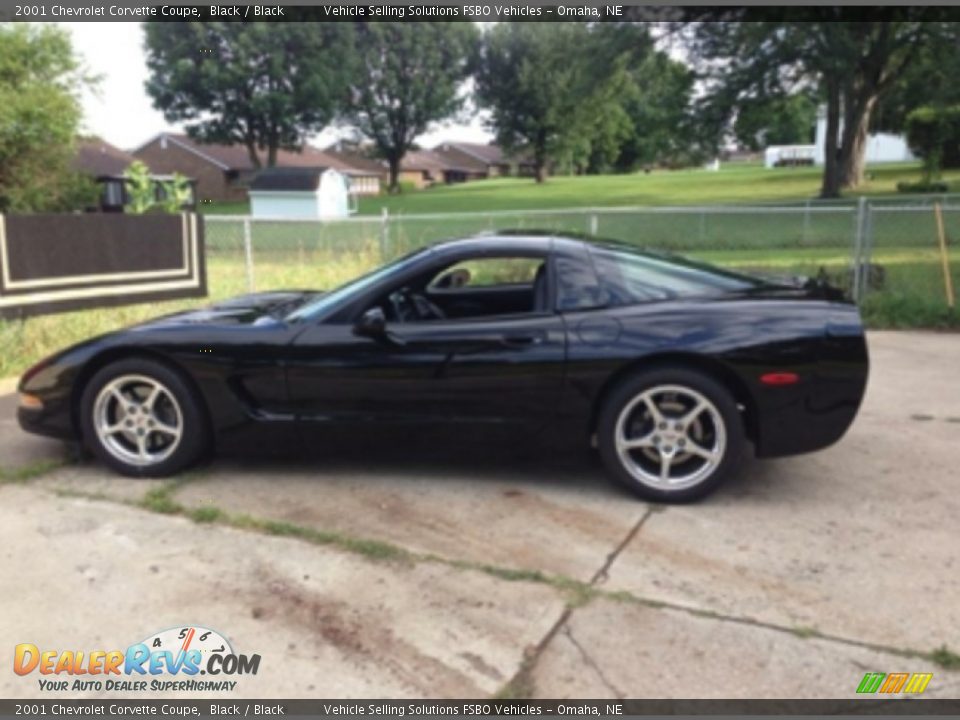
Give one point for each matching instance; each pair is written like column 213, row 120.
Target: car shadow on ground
column 448, row 454
column 456, row 456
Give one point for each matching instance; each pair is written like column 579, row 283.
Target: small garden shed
column 300, row 192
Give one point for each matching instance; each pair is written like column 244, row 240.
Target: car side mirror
column 373, row 323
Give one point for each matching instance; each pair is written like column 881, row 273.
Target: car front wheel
column 670, row 435
column 139, row 417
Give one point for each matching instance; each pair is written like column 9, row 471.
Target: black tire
column 192, row 442
column 626, row 396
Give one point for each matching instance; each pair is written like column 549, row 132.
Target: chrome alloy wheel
column 138, row 420
column 670, row 437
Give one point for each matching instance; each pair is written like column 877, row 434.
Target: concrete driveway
column 470, row 571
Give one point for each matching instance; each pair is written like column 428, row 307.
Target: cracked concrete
column 326, row 623
column 618, row 649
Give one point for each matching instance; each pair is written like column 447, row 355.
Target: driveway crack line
column 603, row 573
column 588, row 659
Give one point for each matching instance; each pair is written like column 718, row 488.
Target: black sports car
column 668, row 366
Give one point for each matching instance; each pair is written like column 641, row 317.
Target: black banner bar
column 476, row 708
column 455, row 11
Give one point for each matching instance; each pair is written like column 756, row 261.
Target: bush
column 924, row 186
column 934, row 134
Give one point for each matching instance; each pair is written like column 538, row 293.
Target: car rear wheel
column 139, row 417
column 670, row 435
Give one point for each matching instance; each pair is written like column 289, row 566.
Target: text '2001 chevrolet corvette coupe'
column 669, row 366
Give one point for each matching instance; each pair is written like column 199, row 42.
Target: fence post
column 384, row 233
column 593, row 224
column 858, row 250
column 248, row 254
column 944, row 257
column 867, row 253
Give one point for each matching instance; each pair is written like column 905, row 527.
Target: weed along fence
column 889, row 254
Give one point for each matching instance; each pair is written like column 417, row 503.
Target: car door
column 495, row 369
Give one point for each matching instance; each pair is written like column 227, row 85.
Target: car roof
column 532, row 241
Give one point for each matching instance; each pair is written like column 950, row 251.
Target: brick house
column 423, row 168
column 106, row 164
column 224, row 172
column 483, row 160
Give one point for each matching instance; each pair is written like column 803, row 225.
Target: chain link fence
column 889, row 254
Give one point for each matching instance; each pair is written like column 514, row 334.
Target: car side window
column 487, row 272
column 633, row 276
column 577, row 285
column 473, row 288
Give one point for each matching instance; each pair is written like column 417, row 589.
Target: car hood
column 253, row 308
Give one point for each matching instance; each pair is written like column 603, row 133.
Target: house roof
column 432, row 161
column 236, row 157
column 288, row 178
column 353, row 159
column 98, row 158
column 487, row 154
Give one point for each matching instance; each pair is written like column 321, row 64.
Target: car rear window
column 630, row 276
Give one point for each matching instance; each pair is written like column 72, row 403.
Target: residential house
column 486, row 159
column 106, row 164
column 350, row 157
column 224, row 172
column 423, row 168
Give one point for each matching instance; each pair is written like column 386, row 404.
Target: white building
column 881, row 148
column 301, row 192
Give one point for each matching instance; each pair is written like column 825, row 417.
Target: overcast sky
column 121, row 112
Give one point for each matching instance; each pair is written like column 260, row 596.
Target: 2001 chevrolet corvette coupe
column 669, row 366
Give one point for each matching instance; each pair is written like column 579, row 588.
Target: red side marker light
column 780, row 378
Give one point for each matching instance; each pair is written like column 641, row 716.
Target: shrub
column 933, row 133
column 924, row 186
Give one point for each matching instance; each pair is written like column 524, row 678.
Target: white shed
column 300, row 192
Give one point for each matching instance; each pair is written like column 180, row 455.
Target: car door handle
column 522, row 339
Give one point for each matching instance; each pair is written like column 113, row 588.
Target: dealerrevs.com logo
column 170, row 660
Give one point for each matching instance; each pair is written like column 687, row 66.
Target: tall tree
column 658, row 102
column 850, row 63
column 266, row 86
column 408, row 76
column 39, row 118
column 930, row 81
column 548, row 84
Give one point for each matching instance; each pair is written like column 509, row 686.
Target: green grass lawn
column 740, row 184
column 734, row 183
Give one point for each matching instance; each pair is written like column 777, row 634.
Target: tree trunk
column 855, row 143
column 540, row 156
column 272, row 154
column 254, row 158
column 394, row 163
column 539, row 164
column 831, row 176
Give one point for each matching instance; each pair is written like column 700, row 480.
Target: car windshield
column 628, row 275
column 324, row 302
